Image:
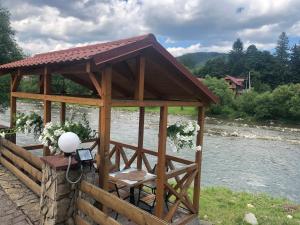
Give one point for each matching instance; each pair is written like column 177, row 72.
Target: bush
column 220, row 88
column 283, row 103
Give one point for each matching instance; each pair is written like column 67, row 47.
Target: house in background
column 237, row 85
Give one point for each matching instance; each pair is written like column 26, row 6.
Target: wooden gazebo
column 134, row 72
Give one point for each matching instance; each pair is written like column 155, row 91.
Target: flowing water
column 236, row 155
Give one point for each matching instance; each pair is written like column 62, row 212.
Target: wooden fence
column 110, row 201
column 22, row 163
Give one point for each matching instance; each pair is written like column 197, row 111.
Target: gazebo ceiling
column 165, row 78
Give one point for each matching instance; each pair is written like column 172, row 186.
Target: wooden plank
column 79, row 221
column 131, row 160
column 145, row 103
column 140, row 78
column 37, row 174
column 24, row 178
column 13, row 107
column 130, row 211
column 146, row 163
column 140, row 137
column 185, row 219
column 161, row 164
column 104, row 127
column 198, row 158
column 181, row 170
column 29, row 157
column 154, row 153
column 62, row 112
column 98, row 216
column 96, row 84
column 32, row 147
column 47, row 104
column 59, row 98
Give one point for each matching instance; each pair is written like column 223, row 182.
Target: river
column 236, row 155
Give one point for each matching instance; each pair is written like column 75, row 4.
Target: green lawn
column 222, row 206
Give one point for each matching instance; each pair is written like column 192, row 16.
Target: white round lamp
column 68, row 142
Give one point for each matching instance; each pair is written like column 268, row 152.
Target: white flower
column 198, row 148
column 2, row 134
column 289, row 216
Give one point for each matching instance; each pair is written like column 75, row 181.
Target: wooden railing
column 23, row 164
column 180, row 173
column 110, row 201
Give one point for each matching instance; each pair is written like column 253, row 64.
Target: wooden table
column 131, row 183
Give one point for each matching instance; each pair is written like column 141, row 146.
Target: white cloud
column 214, row 23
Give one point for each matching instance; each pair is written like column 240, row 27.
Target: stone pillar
column 58, row 197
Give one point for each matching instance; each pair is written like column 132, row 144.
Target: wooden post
column 104, row 127
column 141, row 137
column 62, row 112
column 198, row 158
column 47, row 104
column 161, row 169
column 13, row 107
column 140, row 77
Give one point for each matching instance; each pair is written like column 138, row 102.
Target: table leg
column 132, row 200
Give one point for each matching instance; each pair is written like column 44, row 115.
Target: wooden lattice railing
column 180, row 174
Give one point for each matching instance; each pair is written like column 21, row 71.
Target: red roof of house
column 106, row 53
column 237, row 81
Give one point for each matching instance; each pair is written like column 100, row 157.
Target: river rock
column 250, row 219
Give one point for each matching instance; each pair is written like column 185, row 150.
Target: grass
column 172, row 110
column 223, row 206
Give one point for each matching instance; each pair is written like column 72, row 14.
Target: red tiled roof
column 74, row 54
column 237, row 81
column 106, row 52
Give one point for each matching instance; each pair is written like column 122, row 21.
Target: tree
column 282, row 58
column 282, row 49
column 294, row 72
column 9, row 51
column 236, row 58
column 216, row 67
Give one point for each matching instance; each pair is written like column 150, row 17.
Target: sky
column 182, row 26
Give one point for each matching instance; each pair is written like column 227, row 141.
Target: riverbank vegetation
column 282, row 103
column 223, row 206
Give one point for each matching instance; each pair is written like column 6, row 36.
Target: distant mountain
column 193, row 60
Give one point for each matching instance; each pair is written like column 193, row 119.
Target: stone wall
column 58, row 197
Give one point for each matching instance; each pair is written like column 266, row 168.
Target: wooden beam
column 161, row 165
column 32, row 159
column 13, row 107
column 91, row 211
column 145, row 103
column 104, row 127
column 62, row 112
column 135, row 214
column 96, row 84
column 198, row 158
column 23, row 177
column 141, row 138
column 140, row 78
column 59, row 98
column 47, row 104
column 37, row 174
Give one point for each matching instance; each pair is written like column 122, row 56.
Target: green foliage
column 220, row 88
column 280, row 104
column 222, row 206
column 9, row 51
column 29, row 123
column 194, row 60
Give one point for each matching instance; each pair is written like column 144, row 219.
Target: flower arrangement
column 181, row 135
column 29, row 123
column 53, row 131
column 26, row 123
